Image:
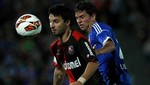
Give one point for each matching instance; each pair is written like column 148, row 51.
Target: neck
column 90, row 26
column 66, row 35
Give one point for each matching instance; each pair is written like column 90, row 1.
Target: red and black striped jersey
column 74, row 55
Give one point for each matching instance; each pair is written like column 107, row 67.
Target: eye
column 82, row 17
column 56, row 21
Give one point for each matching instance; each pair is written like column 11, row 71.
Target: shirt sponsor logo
column 72, row 65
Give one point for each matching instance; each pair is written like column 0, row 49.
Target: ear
column 93, row 17
column 68, row 22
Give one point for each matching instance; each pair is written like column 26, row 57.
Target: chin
column 83, row 29
column 54, row 33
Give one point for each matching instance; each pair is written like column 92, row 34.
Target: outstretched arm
column 59, row 74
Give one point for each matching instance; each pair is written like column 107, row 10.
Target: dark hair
column 61, row 10
column 86, row 6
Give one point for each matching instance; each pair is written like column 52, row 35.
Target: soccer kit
column 74, row 55
column 112, row 66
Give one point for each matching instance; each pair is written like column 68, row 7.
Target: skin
column 62, row 29
column 85, row 22
column 59, row 74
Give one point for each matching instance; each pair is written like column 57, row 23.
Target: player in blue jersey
column 103, row 40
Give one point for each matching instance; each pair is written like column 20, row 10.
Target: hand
column 76, row 83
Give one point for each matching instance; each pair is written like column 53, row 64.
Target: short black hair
column 86, row 6
column 61, row 10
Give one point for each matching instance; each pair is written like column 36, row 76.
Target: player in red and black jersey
column 72, row 52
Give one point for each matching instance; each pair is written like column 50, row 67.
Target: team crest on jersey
column 71, row 50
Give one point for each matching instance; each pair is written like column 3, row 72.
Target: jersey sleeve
column 86, row 50
column 102, row 36
column 53, row 48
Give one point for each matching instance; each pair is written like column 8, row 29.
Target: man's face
column 57, row 25
column 84, row 20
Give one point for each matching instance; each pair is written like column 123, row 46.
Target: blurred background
column 26, row 61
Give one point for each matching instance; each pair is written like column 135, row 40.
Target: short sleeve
column 53, row 50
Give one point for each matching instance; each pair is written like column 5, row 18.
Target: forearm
column 90, row 70
column 59, row 75
column 58, row 80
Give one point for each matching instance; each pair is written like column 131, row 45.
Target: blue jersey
column 112, row 66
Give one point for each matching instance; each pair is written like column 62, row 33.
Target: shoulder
column 55, row 42
column 54, row 46
column 78, row 35
column 98, row 27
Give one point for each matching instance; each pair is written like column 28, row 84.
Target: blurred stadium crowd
column 25, row 61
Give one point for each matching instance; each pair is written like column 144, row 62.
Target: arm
column 88, row 54
column 59, row 74
column 89, row 71
column 108, row 47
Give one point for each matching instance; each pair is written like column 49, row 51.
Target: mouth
column 53, row 30
column 81, row 26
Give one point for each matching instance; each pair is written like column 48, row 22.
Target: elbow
column 110, row 45
column 97, row 64
column 113, row 47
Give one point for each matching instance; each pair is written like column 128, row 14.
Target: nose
column 51, row 25
column 79, row 20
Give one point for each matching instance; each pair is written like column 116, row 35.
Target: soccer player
column 72, row 52
column 103, row 40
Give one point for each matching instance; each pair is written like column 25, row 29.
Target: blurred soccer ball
column 28, row 25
